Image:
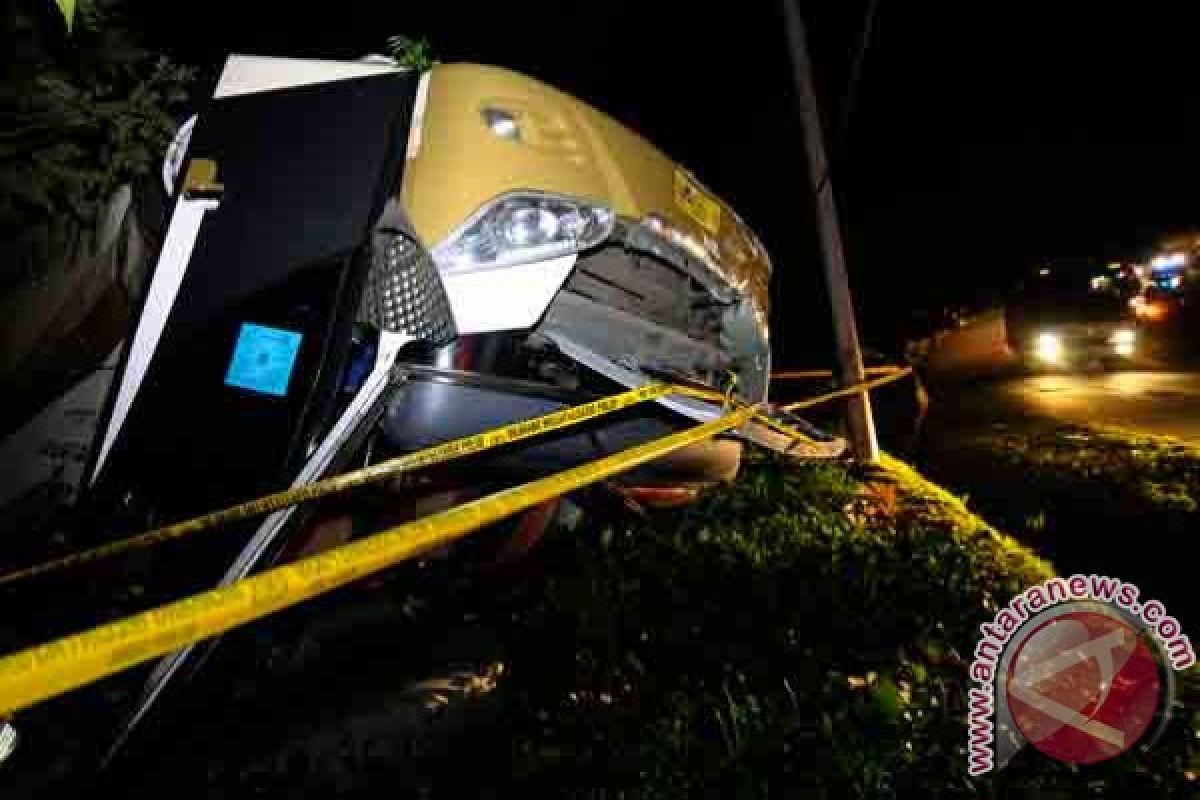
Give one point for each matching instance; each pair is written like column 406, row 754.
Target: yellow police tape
column 454, row 449
column 894, row 374
column 449, row 451
column 39, row 673
column 807, row 374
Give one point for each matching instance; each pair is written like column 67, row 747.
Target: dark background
column 984, row 137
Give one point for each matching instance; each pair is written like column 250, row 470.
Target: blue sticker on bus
column 263, row 359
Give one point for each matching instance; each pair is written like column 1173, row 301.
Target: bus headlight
column 520, row 227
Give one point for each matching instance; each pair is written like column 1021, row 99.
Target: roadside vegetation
column 84, row 113
column 1093, row 498
column 804, row 632
column 801, row 633
column 1138, row 473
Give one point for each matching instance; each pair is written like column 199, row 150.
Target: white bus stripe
column 168, row 276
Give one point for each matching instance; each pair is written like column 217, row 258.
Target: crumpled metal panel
column 565, row 146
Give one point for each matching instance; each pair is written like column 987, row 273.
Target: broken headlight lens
column 521, row 227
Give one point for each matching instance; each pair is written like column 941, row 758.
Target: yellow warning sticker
column 696, row 203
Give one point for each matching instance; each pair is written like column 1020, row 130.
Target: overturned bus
column 362, row 261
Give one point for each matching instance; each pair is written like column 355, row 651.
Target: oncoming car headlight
column 520, row 227
column 1048, row 347
column 1123, row 336
column 1123, row 341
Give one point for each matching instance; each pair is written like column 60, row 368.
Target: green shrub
column 80, row 114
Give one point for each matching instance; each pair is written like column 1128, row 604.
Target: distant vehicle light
column 1123, row 336
column 1168, row 260
column 1048, row 348
column 1150, row 310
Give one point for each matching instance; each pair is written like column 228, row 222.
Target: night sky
column 984, row 138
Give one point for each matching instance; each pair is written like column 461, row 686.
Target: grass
column 1140, row 472
column 796, row 634
column 803, row 632
column 1093, row 498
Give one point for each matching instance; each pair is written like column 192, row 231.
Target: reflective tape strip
column 456, row 448
column 806, row 374
column 39, row 673
column 787, row 430
column 858, row 388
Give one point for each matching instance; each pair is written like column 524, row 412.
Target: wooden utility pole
column 850, row 366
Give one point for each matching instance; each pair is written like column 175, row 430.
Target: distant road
column 1156, row 401
column 1166, row 403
